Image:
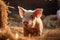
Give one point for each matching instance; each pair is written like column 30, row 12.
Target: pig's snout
column 25, row 22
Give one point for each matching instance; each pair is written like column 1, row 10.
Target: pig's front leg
column 40, row 26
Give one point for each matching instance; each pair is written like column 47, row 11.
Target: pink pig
column 58, row 14
column 31, row 20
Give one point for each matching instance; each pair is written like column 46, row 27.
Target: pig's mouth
column 28, row 24
column 25, row 23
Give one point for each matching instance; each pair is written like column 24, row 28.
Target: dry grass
column 48, row 34
column 51, row 21
column 53, row 34
column 3, row 14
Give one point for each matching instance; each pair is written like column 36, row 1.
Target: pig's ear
column 38, row 12
column 21, row 11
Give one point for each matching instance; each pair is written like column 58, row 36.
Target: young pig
column 31, row 20
column 58, row 16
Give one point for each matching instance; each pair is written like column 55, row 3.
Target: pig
column 31, row 20
column 58, row 16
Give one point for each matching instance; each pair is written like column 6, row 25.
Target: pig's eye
column 32, row 16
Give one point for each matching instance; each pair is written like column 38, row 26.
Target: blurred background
column 49, row 14
column 49, row 6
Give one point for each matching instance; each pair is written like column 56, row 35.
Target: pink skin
column 58, row 14
column 31, row 18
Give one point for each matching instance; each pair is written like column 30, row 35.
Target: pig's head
column 29, row 16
